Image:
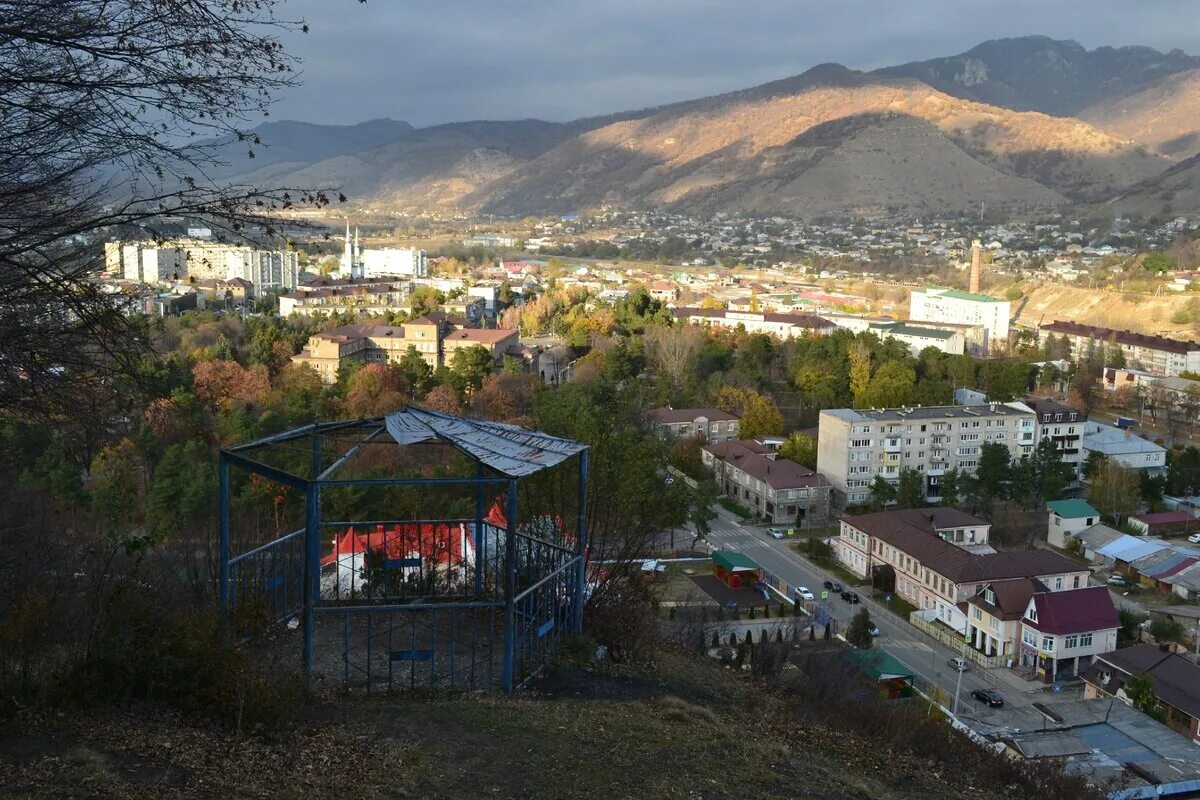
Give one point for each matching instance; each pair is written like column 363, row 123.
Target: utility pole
column 958, row 683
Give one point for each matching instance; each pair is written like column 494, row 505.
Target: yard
column 897, row 605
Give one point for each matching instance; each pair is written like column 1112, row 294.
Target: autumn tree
column 760, row 417
column 221, row 384
column 801, row 448
column 443, row 399
column 375, row 390
column 507, row 397
column 1115, row 489
column 673, row 350
column 859, row 355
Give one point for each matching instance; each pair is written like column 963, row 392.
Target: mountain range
column 1017, row 124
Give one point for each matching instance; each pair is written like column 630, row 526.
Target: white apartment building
column 962, row 308
column 855, row 445
column 785, row 326
column 144, row 262
column 268, row 270
column 1061, row 425
column 1156, row 354
column 394, row 261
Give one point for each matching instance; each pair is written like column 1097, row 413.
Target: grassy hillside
column 1162, row 115
column 681, row 729
column 1139, row 313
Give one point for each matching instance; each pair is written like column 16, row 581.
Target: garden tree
column 1115, row 490
column 730, row 399
column 672, row 351
column 1183, row 471
column 425, row 299
column 1167, row 629
column 858, row 632
column 882, row 493
column 1040, row 475
column 910, row 491
column 507, row 397
column 375, row 390
column 444, row 399
column 859, row 355
column 760, row 417
column 1152, row 489
column 1013, row 524
column 329, row 264
column 117, row 482
column 1005, row 380
column 994, row 471
column 1131, row 622
column 890, row 387
column 1141, row 692
column 801, row 448
column 184, row 489
column 1157, row 261
column 755, row 357
column 949, row 487
column 472, row 365
column 106, row 103
column 416, row 370
column 221, row 384
column 686, row 457
column 700, row 510
column 1091, row 465
column 961, row 372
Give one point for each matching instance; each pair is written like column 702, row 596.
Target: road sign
column 824, row 594
column 967, row 638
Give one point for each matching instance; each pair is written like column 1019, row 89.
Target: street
column 914, row 649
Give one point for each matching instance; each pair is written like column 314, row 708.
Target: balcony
column 892, row 445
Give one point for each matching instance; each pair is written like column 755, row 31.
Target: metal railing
column 953, row 640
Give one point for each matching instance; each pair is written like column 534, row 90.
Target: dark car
column 850, row 597
column 989, row 696
column 833, row 586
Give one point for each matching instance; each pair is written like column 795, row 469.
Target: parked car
column 875, row 631
column 1194, row 538
column 805, row 593
column 775, row 533
column 850, row 597
column 959, row 664
column 1117, row 580
column 990, row 697
column 833, row 586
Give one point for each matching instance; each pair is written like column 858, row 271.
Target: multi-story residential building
column 434, row 336
column 394, row 261
column 713, row 424
column 1156, row 354
column 785, row 326
column 963, row 308
column 268, row 270
column 774, row 488
column 1176, row 683
column 1123, row 446
column 938, row 558
column 855, row 445
column 1061, row 425
column 144, row 262
column 1062, row 632
column 918, row 338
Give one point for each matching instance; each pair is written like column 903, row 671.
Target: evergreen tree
column 858, row 633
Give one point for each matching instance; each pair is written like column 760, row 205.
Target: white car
column 804, row 593
column 1194, row 538
column 775, row 533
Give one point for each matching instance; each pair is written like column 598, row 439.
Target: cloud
column 429, row 62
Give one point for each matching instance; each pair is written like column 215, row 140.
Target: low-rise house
column 1068, row 517
column 736, row 570
column 776, row 489
column 994, row 615
column 713, row 424
column 1163, row 523
column 1124, row 447
column 1176, row 683
column 1158, row 569
column 937, row 558
column 1089, row 541
column 1062, row 632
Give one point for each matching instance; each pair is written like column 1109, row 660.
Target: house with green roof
column 736, row 570
column 918, row 338
column 1067, row 518
column 894, row 679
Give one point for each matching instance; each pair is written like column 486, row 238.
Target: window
column 860, row 442
column 1071, row 643
column 989, row 595
column 1031, row 614
column 1031, row 638
column 977, row 613
column 1085, row 640
column 1048, row 644
column 1075, row 582
column 1058, row 583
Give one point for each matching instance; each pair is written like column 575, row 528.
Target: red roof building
column 1063, row 632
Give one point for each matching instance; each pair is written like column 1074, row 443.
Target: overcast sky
column 428, row 62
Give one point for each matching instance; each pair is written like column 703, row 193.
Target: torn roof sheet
column 508, row 449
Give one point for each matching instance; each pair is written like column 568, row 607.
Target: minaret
column 347, row 255
column 358, row 265
column 976, row 260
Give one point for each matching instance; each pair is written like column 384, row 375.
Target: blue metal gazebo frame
column 536, row 587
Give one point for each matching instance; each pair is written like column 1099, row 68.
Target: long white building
column 394, row 261
column 962, row 308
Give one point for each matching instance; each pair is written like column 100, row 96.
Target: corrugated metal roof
column 1129, row 548
column 1170, row 562
column 508, row 449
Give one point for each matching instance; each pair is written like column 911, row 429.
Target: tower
column 359, row 271
column 347, row 269
column 976, row 260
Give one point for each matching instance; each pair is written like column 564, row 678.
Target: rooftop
column 734, row 561
column 1072, row 509
column 1012, row 597
column 1075, row 611
column 667, row 415
column 925, row 413
column 901, row 329
column 1176, row 679
column 758, row 461
column 796, row 320
column 958, row 294
column 1128, row 338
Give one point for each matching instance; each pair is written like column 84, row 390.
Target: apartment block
column 436, row 336
column 1061, row 425
column 855, row 445
column 776, row 489
column 1155, row 354
column 148, row 263
column 370, row 299
column 784, row 326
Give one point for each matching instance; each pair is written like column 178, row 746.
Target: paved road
column 917, row 651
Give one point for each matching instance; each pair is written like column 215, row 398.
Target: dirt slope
column 1164, row 115
column 1139, row 313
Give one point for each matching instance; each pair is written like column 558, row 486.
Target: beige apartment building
column 713, row 424
column 776, row 489
column 855, row 445
column 436, row 336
